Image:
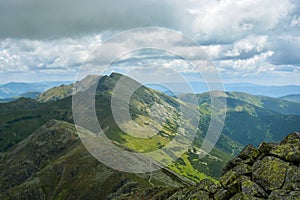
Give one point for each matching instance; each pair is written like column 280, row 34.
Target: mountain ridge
column 262, row 125
column 292, row 97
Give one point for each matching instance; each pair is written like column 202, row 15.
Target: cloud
column 252, row 45
column 255, row 64
column 226, row 21
column 24, row 55
column 295, row 21
column 55, row 18
column 286, row 51
column 66, row 55
column 214, row 21
column 250, row 55
column 242, row 37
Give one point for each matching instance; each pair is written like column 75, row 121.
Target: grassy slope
column 21, row 118
column 247, row 121
column 251, row 119
column 52, row 163
column 293, row 98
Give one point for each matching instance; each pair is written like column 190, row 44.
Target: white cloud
column 255, row 64
column 37, row 55
column 251, row 43
column 214, row 51
column 295, row 21
column 228, row 20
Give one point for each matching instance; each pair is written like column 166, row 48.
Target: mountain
column 15, row 89
column 293, row 97
column 253, row 118
column 52, row 163
column 271, row 91
column 31, row 95
column 45, row 156
column 273, row 104
column 6, row 100
column 63, row 91
column 250, row 119
column 16, row 116
column 250, row 88
column 270, row 172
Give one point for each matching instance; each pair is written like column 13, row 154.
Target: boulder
column 249, row 154
column 284, row 195
column 270, row 173
column 251, row 188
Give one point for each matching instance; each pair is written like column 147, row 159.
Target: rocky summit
column 271, row 171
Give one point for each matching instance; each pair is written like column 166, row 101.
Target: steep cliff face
column 270, row 171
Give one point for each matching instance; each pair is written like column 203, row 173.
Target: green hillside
column 22, row 117
column 52, row 163
column 293, row 98
column 63, row 91
column 249, row 120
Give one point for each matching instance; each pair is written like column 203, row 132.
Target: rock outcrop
column 271, row 171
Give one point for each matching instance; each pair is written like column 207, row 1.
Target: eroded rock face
column 270, row 171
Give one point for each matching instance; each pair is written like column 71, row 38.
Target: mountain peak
column 116, row 75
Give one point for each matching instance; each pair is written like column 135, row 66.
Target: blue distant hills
column 16, row 89
column 250, row 88
column 13, row 90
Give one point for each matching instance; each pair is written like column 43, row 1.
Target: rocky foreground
column 271, row 171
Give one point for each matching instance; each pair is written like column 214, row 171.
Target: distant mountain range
column 271, row 91
column 31, row 95
column 293, row 97
column 14, row 90
column 260, row 90
column 17, row 89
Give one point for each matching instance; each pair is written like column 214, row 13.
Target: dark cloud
column 55, row 18
column 286, row 51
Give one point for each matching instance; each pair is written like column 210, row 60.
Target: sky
column 256, row 41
